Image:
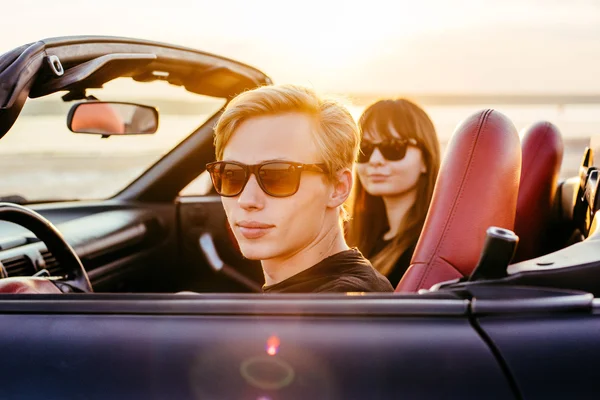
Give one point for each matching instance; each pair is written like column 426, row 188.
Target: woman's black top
column 402, row 263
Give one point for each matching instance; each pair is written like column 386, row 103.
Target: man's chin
column 255, row 251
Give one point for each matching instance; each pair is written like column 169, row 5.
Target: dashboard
column 108, row 240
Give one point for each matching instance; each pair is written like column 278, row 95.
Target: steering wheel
column 76, row 277
column 587, row 202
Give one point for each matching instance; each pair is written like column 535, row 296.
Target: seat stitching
column 450, row 264
column 482, row 123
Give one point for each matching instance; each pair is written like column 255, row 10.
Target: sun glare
column 352, row 45
column 272, row 346
column 339, row 34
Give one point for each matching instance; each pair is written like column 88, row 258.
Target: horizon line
column 448, row 99
column 477, row 98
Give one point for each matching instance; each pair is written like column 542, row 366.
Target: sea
column 40, row 159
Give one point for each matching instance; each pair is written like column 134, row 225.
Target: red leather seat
column 27, row 284
column 477, row 187
column 542, row 148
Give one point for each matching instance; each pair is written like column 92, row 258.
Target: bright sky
column 431, row 46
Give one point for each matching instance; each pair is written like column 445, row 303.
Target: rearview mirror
column 112, row 118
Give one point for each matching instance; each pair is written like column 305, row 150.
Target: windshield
column 42, row 160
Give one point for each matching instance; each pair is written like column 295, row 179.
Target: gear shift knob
column 498, row 250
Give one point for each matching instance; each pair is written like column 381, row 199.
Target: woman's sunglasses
column 391, row 150
column 275, row 178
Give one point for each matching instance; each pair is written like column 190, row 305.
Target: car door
column 209, row 252
column 246, row 346
column 546, row 339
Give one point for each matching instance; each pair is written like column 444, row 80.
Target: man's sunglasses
column 275, row 178
column 391, row 150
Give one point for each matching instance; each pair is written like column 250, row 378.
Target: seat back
column 542, row 149
column 477, row 187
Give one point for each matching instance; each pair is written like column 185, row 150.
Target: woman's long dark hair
column 369, row 220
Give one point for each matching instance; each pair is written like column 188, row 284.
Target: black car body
column 530, row 334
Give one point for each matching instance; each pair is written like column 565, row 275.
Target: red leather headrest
column 477, row 187
column 542, row 148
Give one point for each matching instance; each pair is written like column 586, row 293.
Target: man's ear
column 342, row 186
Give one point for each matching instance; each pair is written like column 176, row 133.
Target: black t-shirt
column 402, row 263
column 347, row 271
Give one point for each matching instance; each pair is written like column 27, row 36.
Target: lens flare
column 272, row 345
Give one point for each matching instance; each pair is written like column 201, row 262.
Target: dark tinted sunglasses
column 391, row 150
column 275, row 178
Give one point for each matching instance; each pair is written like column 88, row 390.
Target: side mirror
column 112, row 118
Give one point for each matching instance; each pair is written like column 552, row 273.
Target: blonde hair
column 369, row 220
column 337, row 136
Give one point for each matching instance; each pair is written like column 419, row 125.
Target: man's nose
column 376, row 157
column 252, row 197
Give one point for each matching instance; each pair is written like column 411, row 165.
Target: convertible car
column 135, row 289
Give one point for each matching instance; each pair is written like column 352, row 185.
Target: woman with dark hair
column 397, row 168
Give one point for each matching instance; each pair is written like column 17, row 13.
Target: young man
column 284, row 171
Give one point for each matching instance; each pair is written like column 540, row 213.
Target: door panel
column 549, row 355
column 250, row 347
column 205, row 214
